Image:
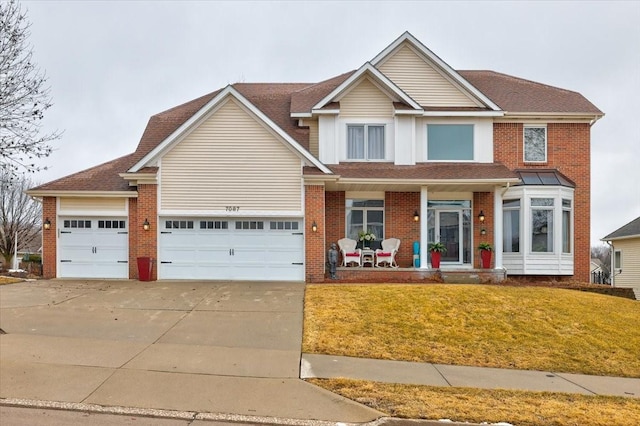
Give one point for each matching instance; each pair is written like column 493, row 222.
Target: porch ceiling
column 437, row 176
column 412, row 187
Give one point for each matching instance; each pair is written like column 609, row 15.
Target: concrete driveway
column 204, row 347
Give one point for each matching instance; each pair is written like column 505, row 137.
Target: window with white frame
column 365, row 142
column 617, row 259
column 542, row 225
column 566, row 225
column 511, row 226
column 535, row 144
column 364, row 215
column 449, row 142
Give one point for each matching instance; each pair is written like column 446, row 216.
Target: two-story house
column 255, row 181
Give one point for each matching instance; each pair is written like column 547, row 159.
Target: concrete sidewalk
column 327, row 366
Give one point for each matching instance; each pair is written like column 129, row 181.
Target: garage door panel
column 88, row 249
column 246, row 249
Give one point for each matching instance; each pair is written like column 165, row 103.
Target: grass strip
column 492, row 406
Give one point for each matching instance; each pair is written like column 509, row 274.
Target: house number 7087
column 233, row 208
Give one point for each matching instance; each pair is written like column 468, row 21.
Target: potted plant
column 366, row 237
column 485, row 254
column 436, row 249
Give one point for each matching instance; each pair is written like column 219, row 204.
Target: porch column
column 497, row 226
column 424, row 251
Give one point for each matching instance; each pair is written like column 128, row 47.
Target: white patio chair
column 350, row 254
column 387, row 254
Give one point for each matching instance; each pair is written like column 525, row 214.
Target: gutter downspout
column 612, row 271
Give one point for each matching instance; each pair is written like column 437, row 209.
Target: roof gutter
column 85, row 194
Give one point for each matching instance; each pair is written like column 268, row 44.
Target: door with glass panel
column 449, row 226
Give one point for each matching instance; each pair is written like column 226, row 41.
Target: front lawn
column 531, row 328
column 490, row 326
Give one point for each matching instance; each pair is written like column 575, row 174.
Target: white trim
column 367, row 68
column 546, row 143
column 626, row 237
column 156, row 153
column 230, row 215
column 463, row 114
column 450, row 72
column 106, row 194
column 325, row 112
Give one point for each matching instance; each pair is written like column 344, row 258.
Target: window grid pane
column 535, row 144
column 355, row 142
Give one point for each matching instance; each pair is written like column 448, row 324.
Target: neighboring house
column 625, row 255
column 255, row 181
column 598, row 273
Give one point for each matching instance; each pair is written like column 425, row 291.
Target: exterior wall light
column 146, row 225
column 314, row 226
column 47, row 224
column 416, row 216
column 481, row 218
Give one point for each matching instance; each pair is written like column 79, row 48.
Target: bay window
column 511, row 226
column 542, row 225
column 566, row 225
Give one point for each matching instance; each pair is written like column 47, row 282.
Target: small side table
column 368, row 257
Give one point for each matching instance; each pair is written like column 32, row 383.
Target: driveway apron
column 215, row 347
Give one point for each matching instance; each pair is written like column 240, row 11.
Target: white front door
column 231, row 249
column 93, row 248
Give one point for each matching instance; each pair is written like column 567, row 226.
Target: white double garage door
column 265, row 249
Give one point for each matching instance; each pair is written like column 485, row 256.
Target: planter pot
column 485, row 259
column 435, row 259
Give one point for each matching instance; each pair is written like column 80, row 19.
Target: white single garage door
column 231, row 249
column 93, row 248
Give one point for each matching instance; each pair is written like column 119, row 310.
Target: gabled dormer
column 387, row 110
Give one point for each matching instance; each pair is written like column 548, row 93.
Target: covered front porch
column 416, row 275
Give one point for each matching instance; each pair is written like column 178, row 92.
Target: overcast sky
column 113, row 64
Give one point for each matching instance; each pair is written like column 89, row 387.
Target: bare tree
column 24, row 96
column 602, row 253
column 19, row 215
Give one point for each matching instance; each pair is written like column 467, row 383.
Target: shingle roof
column 279, row 100
column 303, row 100
column 428, row 171
column 514, row 94
column 104, row 177
column 631, row 229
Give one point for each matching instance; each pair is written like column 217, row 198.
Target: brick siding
column 314, row 241
column 568, row 151
column 49, row 238
column 145, row 242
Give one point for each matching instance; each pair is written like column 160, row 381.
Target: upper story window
column 535, row 144
column 365, row 142
column 449, row 142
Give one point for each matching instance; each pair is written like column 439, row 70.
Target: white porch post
column 423, row 228
column 497, row 226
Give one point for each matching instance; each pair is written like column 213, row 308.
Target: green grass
column 532, row 328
